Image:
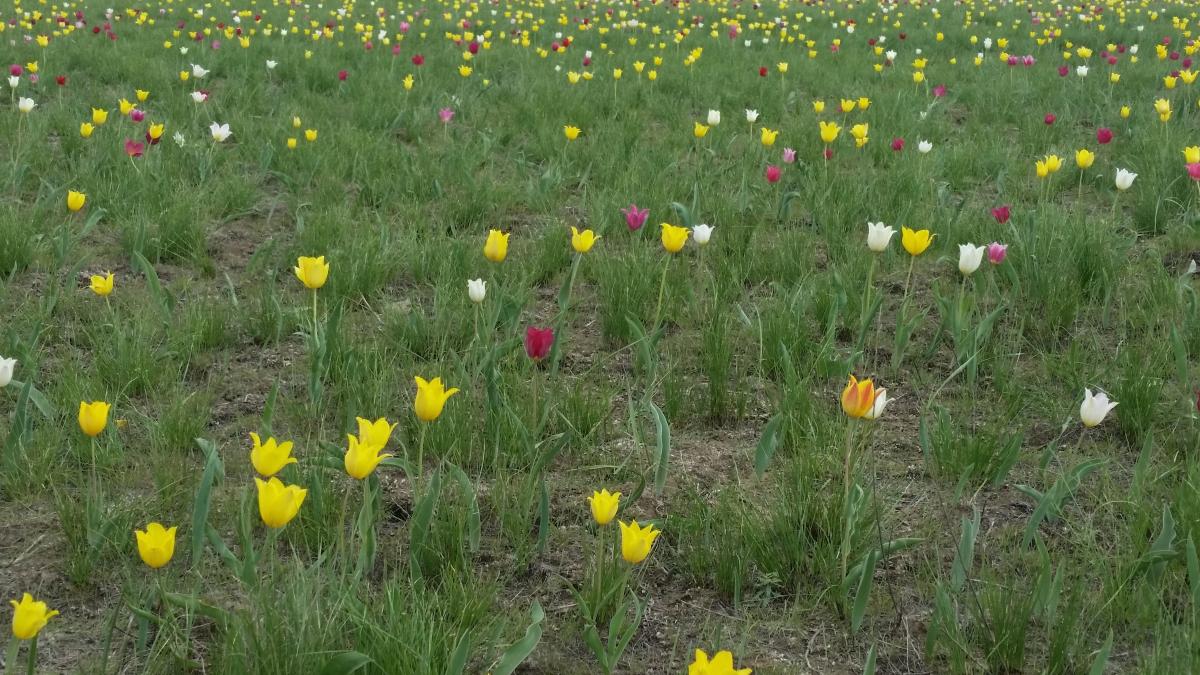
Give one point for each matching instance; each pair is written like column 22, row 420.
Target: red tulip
column 61, row 80
column 342, row 75
column 773, row 173
column 15, row 70
column 1001, row 214
column 1050, row 119
column 897, row 144
column 418, row 60
column 1194, row 171
column 762, row 72
column 1063, row 71
column 1104, row 135
column 538, row 342
column 133, row 148
column 828, row 154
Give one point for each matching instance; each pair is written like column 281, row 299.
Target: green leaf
column 1193, row 570
column 37, row 397
column 869, row 666
column 462, row 652
column 1163, row 548
column 421, row 518
column 664, row 446
column 965, row 555
column 345, row 663
column 863, row 594
column 1101, row 659
column 473, row 524
column 213, row 469
column 767, row 444
column 521, row 649
column 152, row 282
column 543, row 515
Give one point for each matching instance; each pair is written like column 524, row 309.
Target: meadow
column 449, row 337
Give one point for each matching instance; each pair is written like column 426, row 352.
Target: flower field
column 629, row 336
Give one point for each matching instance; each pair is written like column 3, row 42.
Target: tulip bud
column 477, row 290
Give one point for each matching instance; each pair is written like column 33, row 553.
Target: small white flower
column 1081, row 71
column 183, row 51
column 220, row 132
column 969, row 258
column 702, row 233
column 587, row 54
column 751, row 115
column 924, row 147
column 179, row 139
column 1094, row 408
column 881, row 401
column 878, row 236
column 199, row 96
column 198, row 70
column 1124, row 179
column 477, row 290
column 271, row 64
column 25, row 105
column 13, row 81
column 890, row 54
column 850, row 28
column 714, row 118
column 919, row 52
column 6, row 370
column 987, row 43
column 1134, row 49
column 748, row 43
column 1192, row 269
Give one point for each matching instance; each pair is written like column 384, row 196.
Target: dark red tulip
column 15, row 70
column 1001, row 214
column 538, row 342
column 473, row 47
column 773, row 173
column 61, row 80
column 418, row 60
column 828, row 153
column 342, row 75
column 897, row 144
column 762, row 72
column 1104, row 135
column 1063, row 71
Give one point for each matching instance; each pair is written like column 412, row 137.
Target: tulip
column 879, row 236
column 637, row 541
column 1191, row 154
column 446, row 114
column 1104, row 135
column 199, row 96
column 362, row 457
column 476, row 290
column 996, row 252
column 714, row 118
column 897, row 144
column 881, row 401
column 220, row 132
column 75, row 200
column 269, row 458
column 133, row 148
column 93, row 417
column 702, row 233
column 847, row 105
column 25, row 105
column 103, row 285
column 969, row 258
column 125, row 106
column 538, row 342
column 858, row 398
column 582, row 241
column 571, row 132
column 431, row 398
column 751, row 116
column 156, row 544
column 829, row 132
column 1084, row 159
column 721, row 664
column 310, row 135
column 1001, row 214
column 924, row 147
column 86, row 129
column 6, row 371
column 699, row 130
column 312, row 272
column 29, row 618
column 635, row 218
column 768, row 136
column 496, row 248
column 1094, row 408
column 673, row 238
column 1124, row 179
column 1163, row 107
column 1193, row 171
column 1049, row 119
column 773, row 173
column 278, row 504
column 199, row 71
column 604, row 506
column 915, row 241
column 789, row 156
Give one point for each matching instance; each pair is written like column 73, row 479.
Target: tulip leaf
column 462, row 652
column 422, row 516
column 965, row 555
column 37, row 397
column 543, row 515
column 664, row 446
column 1101, row 660
column 345, row 663
column 473, row 524
column 213, row 469
column 365, row 525
column 859, row 610
column 1193, row 571
column 869, row 666
column 521, row 649
column 160, row 294
column 767, row 444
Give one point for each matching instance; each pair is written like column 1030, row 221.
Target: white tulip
column 179, row 139
column 13, row 81
column 714, row 118
column 271, row 64
column 969, row 258
column 702, row 233
column 1081, row 71
column 924, row 147
column 220, row 131
column 751, row 115
column 1124, row 179
column 748, row 43
column 891, row 55
column 25, row 105
column 198, row 71
column 881, row 401
column 878, row 236
column 199, row 96
column 6, row 370
column 477, row 290
column 1094, row 408
column 987, row 43
column 183, row 51
column 1192, row 268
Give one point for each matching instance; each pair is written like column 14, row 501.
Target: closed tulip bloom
column 997, row 252
column 604, row 506
column 291, row 143
column 829, row 132
column 714, row 118
column 30, row 617
column 859, row 131
column 768, row 136
column 102, row 285
column 635, row 218
column 818, row 107
column 86, row 129
column 431, row 398
column 1191, row 154
column 673, row 238
column 702, row 233
column 970, row 257
column 538, row 342
column 310, row 135
column 848, row 105
column 476, row 290
column 99, row 116
column 1095, row 408
column 269, row 458
column 1124, row 179
column 637, row 541
column 93, row 417
column 6, row 371
column 582, row 241
column 720, row 664
column 75, row 200
column 699, row 130
column 858, row 398
column 1193, row 171
column 881, row 401
column 496, row 248
column 1125, row 112
column 156, row 544
column 773, row 173
column 362, row 458
column 155, row 132
column 1043, row 170
column 915, row 241
column 1084, row 158
column 312, row 272
column 278, row 504
column 571, row 132
column 1053, row 163
column 879, row 236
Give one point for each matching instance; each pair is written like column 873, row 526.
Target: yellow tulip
column 377, row 433
column 617, row 73
column 278, row 503
column 296, row 122
column 291, row 144
column 859, row 131
column 699, row 130
column 310, row 135
column 1084, row 158
column 431, row 397
column 1053, row 163
column 768, row 136
column 571, row 132
column 636, row 541
column 1125, row 111
column 782, row 66
column 722, row 661
column 269, row 458
column 126, row 106
column 142, row 95
column 1114, row 77
column 30, row 617
column 75, row 200
column 863, row 103
column 818, row 107
column 915, row 241
column 409, row 82
column 604, row 506
column 848, row 105
column 1042, row 170
column 673, row 238
column 858, row 397
column 464, row 70
column 99, row 116
column 583, row 241
column 103, row 285
column 312, row 272
column 86, row 129
column 496, row 248
column 362, row 458
column 918, row 76
column 829, row 132
column 1191, row 154
column 156, row 544
column 93, row 417
column 156, row 131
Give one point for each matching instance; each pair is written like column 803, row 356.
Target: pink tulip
column 137, row 115
column 1104, row 135
column 789, row 155
column 446, row 114
column 939, row 91
column 897, row 144
column 996, row 252
column 774, row 173
column 1193, row 170
column 1001, row 214
column 634, row 218
column 1049, row 119
column 133, row 148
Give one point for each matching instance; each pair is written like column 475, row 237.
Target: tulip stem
column 599, row 588
column 342, row 545
column 14, row 648
column 662, row 285
column 847, row 471
column 32, row 663
column 314, row 294
column 420, row 454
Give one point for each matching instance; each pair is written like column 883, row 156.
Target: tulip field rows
column 603, row 337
